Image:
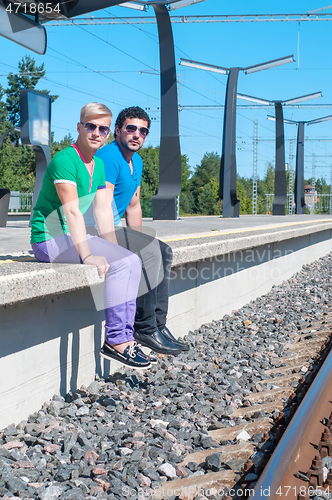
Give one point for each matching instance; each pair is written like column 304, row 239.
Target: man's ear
column 79, row 127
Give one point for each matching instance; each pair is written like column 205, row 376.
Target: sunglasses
column 131, row 129
column 91, row 127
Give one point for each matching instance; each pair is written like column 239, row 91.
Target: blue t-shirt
column 117, row 172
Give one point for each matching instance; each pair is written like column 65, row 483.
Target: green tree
column 17, row 162
column 245, row 200
column 20, row 165
column 59, row 146
column 246, row 184
column 187, row 201
column 265, row 186
column 4, row 125
column 150, row 175
column 207, row 170
column 27, row 77
column 207, row 200
column 185, row 173
column 269, row 179
column 320, row 184
column 110, row 139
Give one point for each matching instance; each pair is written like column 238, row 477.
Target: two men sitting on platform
column 123, row 171
column 74, row 179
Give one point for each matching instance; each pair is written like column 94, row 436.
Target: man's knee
column 151, row 255
column 135, row 261
column 166, row 252
column 125, row 261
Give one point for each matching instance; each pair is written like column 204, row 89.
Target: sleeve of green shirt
column 63, row 168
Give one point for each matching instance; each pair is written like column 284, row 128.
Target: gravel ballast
column 127, row 434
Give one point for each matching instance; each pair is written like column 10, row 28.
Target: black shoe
column 167, row 334
column 129, row 357
column 157, row 342
column 152, row 359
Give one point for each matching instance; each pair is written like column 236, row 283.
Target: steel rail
column 296, row 450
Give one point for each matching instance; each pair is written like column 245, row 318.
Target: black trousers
column 156, row 257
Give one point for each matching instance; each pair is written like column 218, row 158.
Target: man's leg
column 152, row 299
column 120, row 291
column 162, row 290
column 162, row 297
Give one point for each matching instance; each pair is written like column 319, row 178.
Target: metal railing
column 270, row 199
column 323, row 203
column 20, row 202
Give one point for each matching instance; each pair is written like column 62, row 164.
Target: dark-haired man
column 123, row 170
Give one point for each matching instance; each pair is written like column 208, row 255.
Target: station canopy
column 22, row 20
column 66, row 9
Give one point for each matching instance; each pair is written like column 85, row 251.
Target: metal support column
column 43, row 158
column 331, row 189
column 254, row 173
column 290, row 179
column 164, row 203
column 313, row 184
column 280, row 185
column 227, row 187
column 299, row 173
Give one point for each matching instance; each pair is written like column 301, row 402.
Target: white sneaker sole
column 109, row 358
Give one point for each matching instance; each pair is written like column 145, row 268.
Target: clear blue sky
column 119, row 64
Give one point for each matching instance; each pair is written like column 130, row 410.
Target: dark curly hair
column 132, row 112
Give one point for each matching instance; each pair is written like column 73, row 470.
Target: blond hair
column 95, row 108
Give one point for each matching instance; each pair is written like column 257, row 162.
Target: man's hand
column 100, row 262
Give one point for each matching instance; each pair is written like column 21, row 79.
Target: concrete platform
column 51, row 332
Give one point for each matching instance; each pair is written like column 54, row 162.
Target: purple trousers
column 121, row 281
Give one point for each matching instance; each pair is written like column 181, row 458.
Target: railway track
column 298, row 438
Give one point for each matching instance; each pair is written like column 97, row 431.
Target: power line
column 103, row 75
column 115, row 47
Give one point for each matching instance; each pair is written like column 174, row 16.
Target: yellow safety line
column 18, row 259
column 217, row 232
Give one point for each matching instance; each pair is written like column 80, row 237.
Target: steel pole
column 313, row 184
column 43, row 158
column 331, row 189
column 290, row 179
column 299, row 176
column 254, row 173
column 227, row 186
column 164, row 203
column 280, row 184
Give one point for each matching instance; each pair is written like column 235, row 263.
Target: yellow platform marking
column 18, row 259
column 217, row 232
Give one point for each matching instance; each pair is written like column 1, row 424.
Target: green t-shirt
column 66, row 166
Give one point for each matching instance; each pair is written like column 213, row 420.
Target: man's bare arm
column 134, row 212
column 109, row 191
